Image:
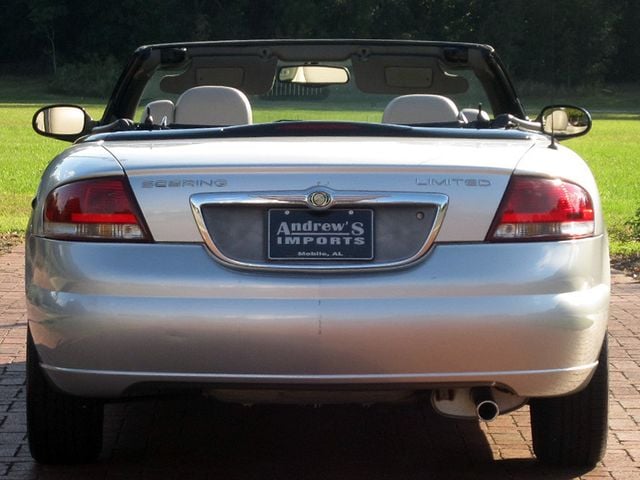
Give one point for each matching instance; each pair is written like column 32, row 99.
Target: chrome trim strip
column 299, row 198
column 322, row 378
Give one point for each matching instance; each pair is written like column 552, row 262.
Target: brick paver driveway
column 196, row 437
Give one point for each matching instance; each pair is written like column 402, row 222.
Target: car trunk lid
column 166, row 176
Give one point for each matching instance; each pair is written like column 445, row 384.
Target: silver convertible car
column 296, row 221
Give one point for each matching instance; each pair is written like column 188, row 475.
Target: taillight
column 98, row 209
column 543, row 209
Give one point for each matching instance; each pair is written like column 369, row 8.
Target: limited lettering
column 453, row 182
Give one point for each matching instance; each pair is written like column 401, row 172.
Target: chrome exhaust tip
column 487, row 409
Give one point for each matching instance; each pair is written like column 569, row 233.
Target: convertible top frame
column 366, row 55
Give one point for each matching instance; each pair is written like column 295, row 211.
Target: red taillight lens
column 543, row 209
column 99, row 209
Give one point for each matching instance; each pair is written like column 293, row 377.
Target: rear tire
column 572, row 430
column 61, row 428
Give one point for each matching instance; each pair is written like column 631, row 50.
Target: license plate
column 302, row 234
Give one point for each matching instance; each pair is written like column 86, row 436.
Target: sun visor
column 253, row 75
column 405, row 75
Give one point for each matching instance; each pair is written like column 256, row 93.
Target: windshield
column 217, row 84
column 287, row 100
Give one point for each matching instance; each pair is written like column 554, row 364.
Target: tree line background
column 570, row 44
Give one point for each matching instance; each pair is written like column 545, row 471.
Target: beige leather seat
column 160, row 111
column 472, row 114
column 420, row 108
column 213, row 106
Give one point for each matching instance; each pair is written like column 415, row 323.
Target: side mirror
column 64, row 122
column 565, row 121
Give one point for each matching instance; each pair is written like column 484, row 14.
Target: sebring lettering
column 184, row 183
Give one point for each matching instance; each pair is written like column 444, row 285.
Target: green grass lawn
column 613, row 153
column 611, row 149
column 23, row 157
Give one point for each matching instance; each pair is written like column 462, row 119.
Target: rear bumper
column 530, row 317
